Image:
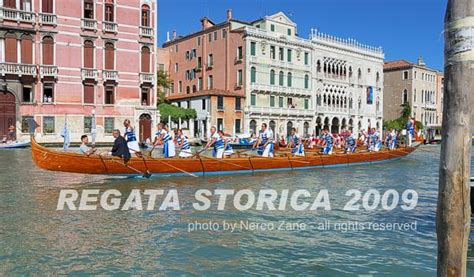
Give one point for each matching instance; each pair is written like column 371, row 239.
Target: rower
column 328, row 141
column 84, row 149
column 296, row 143
column 265, row 142
column 392, row 139
column 410, row 127
column 350, row 145
column 183, row 144
column 212, row 140
column 131, row 139
column 376, row 143
column 222, row 146
column 163, row 137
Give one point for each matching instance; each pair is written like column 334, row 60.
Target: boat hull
column 203, row 165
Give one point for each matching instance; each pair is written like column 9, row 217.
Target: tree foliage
column 400, row 122
column 167, row 110
column 163, row 82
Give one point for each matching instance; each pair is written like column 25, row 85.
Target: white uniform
column 268, row 151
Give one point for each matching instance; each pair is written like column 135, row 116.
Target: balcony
column 109, row 27
column 146, row 32
column 18, row 69
column 17, row 15
column 281, row 111
column 89, row 24
column 48, row 71
column 89, row 74
column 274, row 89
column 147, row 78
column 47, row 19
column 110, row 75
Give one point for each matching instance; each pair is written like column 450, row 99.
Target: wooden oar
column 199, row 152
column 140, row 155
column 144, row 174
column 226, row 162
column 177, row 168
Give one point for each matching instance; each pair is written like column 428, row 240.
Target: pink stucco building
column 76, row 61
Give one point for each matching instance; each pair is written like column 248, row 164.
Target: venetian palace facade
column 239, row 74
column 75, row 61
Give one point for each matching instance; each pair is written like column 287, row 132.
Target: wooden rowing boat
column 199, row 165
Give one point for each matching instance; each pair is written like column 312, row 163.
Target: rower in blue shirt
column 131, row 139
column 351, row 144
column 183, row 144
column 296, row 143
column 328, row 141
column 265, row 142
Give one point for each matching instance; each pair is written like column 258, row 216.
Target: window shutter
column 26, row 50
column 89, row 94
column 145, row 59
column 48, row 51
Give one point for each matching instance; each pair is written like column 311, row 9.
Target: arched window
column 48, row 50
column 280, row 78
column 318, row 66
column 253, row 74
column 272, row 77
column 11, row 52
column 145, row 59
column 109, row 56
column 405, row 96
column 26, row 49
column 188, row 90
column 194, row 88
column 88, row 54
column 289, row 79
column 145, row 16
column 305, row 128
column 89, row 9
column 253, row 126
column 306, row 81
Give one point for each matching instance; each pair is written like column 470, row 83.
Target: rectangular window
column 281, row 54
column 220, row 124
column 253, row 48
column 203, row 104
column 89, row 9
column 224, row 33
column 306, row 104
column 48, row 125
column 210, row 60
column 238, row 106
column 176, row 48
column 288, row 55
column 109, row 95
column 220, row 102
column 145, row 98
column 11, row 4
column 109, row 125
column 288, row 31
column 199, row 41
column 272, row 52
column 87, row 124
column 306, row 58
column 253, row 100
column 280, row 101
column 239, row 53
column 210, row 82
column 272, row 28
column 176, row 67
column 199, row 62
column 215, row 35
column 272, row 101
column 24, row 123
column 27, row 95
column 109, row 12
column 48, row 93
column 239, row 77
column 200, row 84
column 209, row 36
column 88, row 94
column 237, row 126
column 405, row 75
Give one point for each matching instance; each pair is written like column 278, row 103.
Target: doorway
column 7, row 112
column 145, row 127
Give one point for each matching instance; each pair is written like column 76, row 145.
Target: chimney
column 420, row 61
column 174, row 35
column 167, row 36
column 229, row 14
column 206, row 23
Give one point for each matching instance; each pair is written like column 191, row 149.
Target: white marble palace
column 311, row 84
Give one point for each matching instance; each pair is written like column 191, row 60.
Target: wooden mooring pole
column 454, row 214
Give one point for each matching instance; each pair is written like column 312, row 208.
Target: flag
column 93, row 130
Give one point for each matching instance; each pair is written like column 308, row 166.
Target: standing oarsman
column 131, row 139
column 183, row 144
column 328, row 142
column 410, row 127
column 163, row 137
column 265, row 142
column 296, row 143
column 212, row 140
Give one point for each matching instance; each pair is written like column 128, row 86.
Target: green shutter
column 252, row 49
column 272, row 101
column 253, row 100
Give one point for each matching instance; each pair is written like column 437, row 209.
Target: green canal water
column 36, row 239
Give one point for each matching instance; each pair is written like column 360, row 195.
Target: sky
column 405, row 29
